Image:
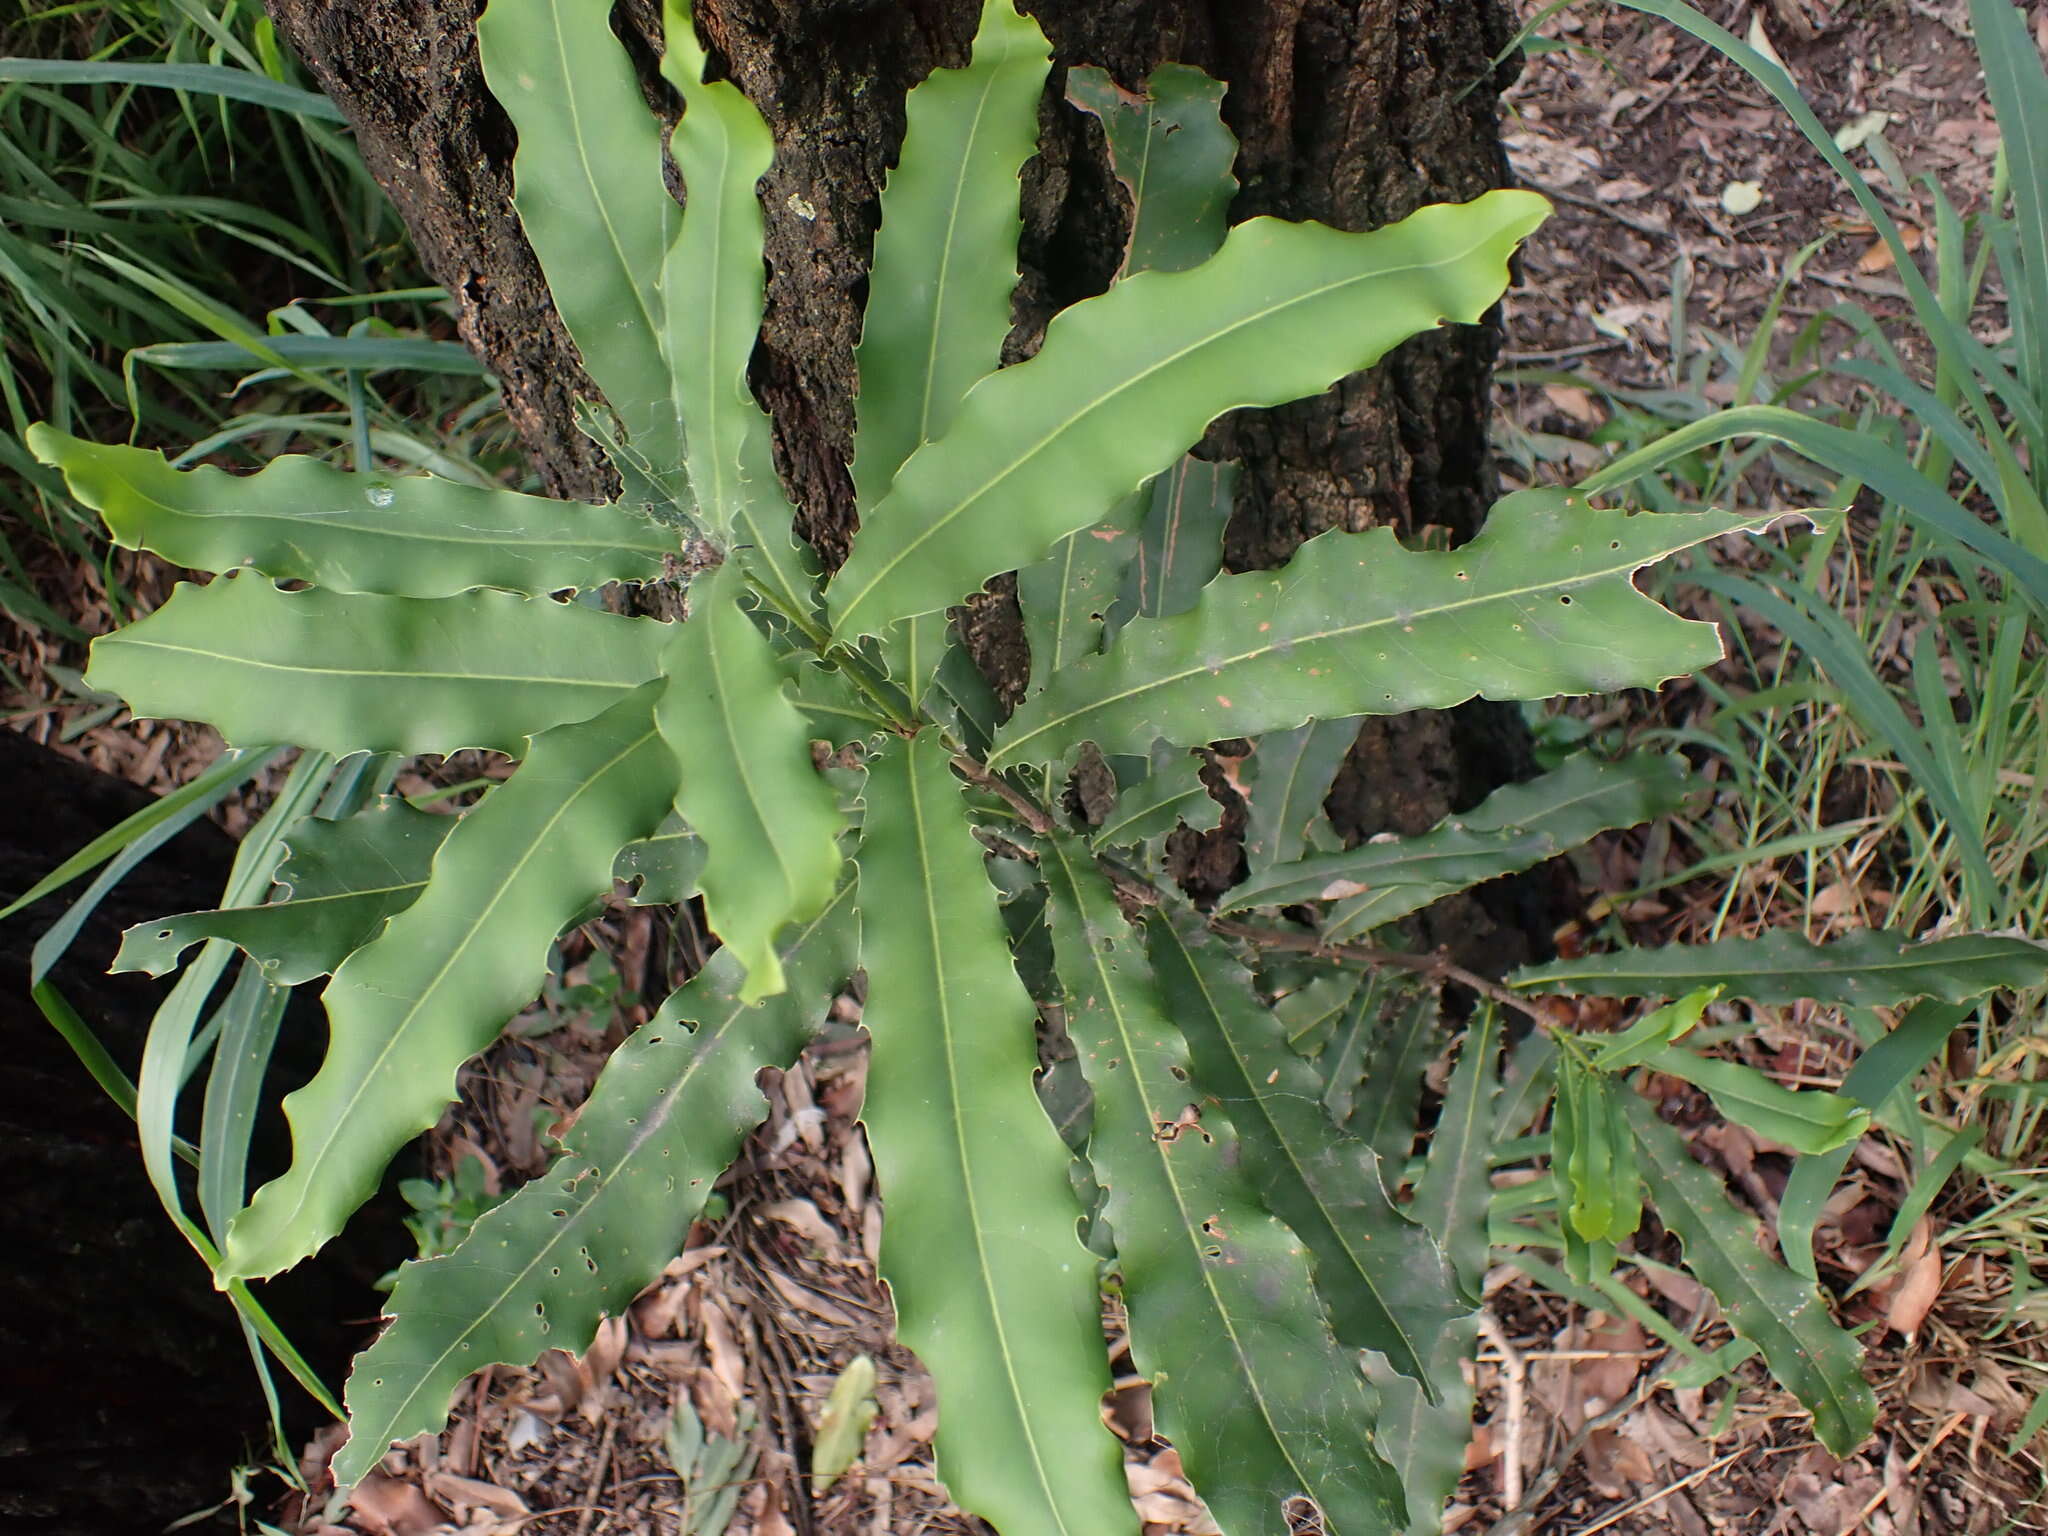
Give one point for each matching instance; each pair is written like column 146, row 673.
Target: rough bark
column 1354, row 112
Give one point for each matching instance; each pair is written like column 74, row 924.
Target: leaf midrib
column 1189, row 1223
column 1286, row 1145
column 260, row 665
column 522, row 540
column 625, row 1162
column 1625, row 567
column 940, row 521
column 984, row 1271
column 476, row 926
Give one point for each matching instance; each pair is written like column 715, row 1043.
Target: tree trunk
column 1353, row 112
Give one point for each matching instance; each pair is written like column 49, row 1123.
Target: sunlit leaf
column 992, row 1288
column 374, row 674
column 1540, row 603
column 300, row 519
column 405, row 1011
column 1127, row 381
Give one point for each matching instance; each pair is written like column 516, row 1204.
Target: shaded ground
column 1638, row 134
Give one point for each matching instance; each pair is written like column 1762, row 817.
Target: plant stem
column 1438, row 966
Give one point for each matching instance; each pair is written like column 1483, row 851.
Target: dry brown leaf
column 771, row 1521
column 804, row 1299
column 595, row 1369
column 1623, row 189
column 1614, row 1461
column 1480, row 1451
column 725, row 1385
column 1575, row 403
column 1916, row 1284
column 460, row 1493
column 1665, row 1436
column 804, row 1216
column 386, row 1506
column 1599, row 1384
column 856, row 1172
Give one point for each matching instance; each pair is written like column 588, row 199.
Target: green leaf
column 1871, row 968
column 1382, row 1278
column 712, row 282
column 993, row 1290
column 1599, row 1191
column 1262, row 1403
column 1294, row 770
column 1635, row 1045
column 1180, row 540
column 1310, row 1011
column 668, row 1113
column 669, row 866
column 1126, row 381
column 345, row 673
column 1450, row 1197
column 1765, row 1303
column 1866, row 457
column 1383, row 1049
column 1426, row 1441
column 1806, row 1120
column 341, row 881
column 1540, row 603
column 300, row 519
column 1449, row 857
column 1882, row 1070
column 1572, row 804
column 769, row 821
column 1067, row 596
column 843, row 1426
column 1173, row 154
column 2018, row 90
column 435, row 987
column 1172, row 792
column 316, row 354
column 946, row 255
column 223, row 80
column 594, row 205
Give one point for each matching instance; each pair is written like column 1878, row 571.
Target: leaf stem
column 875, row 689
column 1438, row 966
column 1032, row 814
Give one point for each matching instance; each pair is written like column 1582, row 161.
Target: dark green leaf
column 1261, row 1401
column 667, row 1114
column 339, row 884
column 1764, row 1302
column 1871, row 968
column 1382, row 1278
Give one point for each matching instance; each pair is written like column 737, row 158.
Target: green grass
column 1879, row 735
column 201, row 272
